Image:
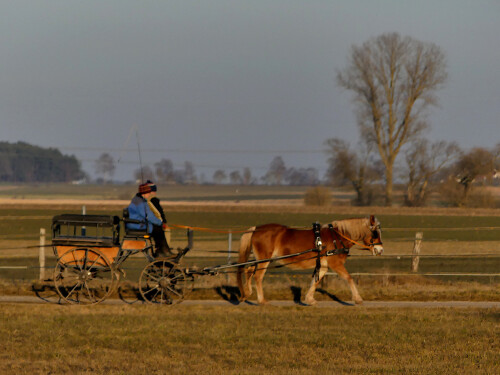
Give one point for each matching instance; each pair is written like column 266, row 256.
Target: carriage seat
column 133, row 232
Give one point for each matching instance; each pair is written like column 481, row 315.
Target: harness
column 318, row 243
column 337, row 250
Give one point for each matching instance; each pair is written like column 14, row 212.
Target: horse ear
column 372, row 220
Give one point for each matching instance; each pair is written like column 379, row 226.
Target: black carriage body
column 86, row 230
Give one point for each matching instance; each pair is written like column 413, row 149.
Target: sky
column 226, row 83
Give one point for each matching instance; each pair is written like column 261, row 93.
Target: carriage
column 91, row 250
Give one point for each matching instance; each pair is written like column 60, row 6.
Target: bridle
column 373, row 229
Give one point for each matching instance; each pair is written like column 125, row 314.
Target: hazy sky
column 204, row 79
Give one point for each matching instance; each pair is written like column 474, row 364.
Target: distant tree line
column 22, row 162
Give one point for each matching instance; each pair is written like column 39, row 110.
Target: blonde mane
column 356, row 228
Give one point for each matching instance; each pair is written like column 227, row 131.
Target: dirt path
column 321, row 304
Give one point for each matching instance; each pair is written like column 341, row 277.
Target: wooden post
column 416, row 251
column 229, row 245
column 84, row 229
column 41, row 254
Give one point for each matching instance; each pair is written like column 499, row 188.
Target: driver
column 139, row 210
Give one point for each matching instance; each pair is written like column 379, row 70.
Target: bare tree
column 276, row 171
column 143, row 174
column 475, row 163
column 105, row 166
column 423, row 162
column 346, row 166
column 247, row 176
column 164, row 170
column 302, row 176
column 219, row 176
column 235, row 178
column 496, row 160
column 189, row 173
column 394, row 80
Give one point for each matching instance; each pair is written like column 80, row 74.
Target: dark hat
column 144, row 188
column 152, row 185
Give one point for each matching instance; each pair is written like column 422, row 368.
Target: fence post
column 41, row 254
column 84, row 229
column 416, row 251
column 229, row 245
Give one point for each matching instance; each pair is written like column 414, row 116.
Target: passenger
column 154, row 204
column 139, row 210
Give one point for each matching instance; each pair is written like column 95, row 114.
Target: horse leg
column 342, row 272
column 309, row 299
column 247, row 286
column 259, row 276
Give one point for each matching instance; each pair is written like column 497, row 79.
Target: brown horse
column 275, row 240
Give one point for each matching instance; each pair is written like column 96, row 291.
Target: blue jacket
column 138, row 209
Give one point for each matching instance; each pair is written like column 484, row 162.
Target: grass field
column 247, row 340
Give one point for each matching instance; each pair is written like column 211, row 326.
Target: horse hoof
column 358, row 302
column 263, row 302
column 311, row 302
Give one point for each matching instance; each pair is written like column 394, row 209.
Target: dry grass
column 246, row 340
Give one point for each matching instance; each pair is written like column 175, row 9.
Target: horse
column 329, row 248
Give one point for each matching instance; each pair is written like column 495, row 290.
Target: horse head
column 364, row 232
column 374, row 239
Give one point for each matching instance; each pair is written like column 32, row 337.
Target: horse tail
column 244, row 254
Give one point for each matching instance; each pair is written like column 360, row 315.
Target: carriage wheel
column 84, row 276
column 164, row 282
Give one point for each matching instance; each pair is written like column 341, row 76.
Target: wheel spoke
column 95, row 261
column 85, row 259
column 150, row 290
column 90, row 294
column 155, row 295
column 178, row 277
column 175, row 291
column 76, row 261
column 150, row 276
column 74, row 288
column 161, row 295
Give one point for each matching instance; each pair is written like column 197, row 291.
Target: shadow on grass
column 297, row 295
column 333, row 297
column 47, row 293
column 229, row 293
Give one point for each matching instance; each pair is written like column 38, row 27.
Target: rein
column 363, row 246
